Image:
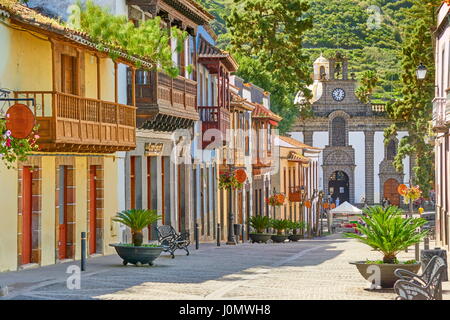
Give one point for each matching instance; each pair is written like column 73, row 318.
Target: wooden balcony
column 164, row 103
column 295, row 194
column 70, row 123
column 214, row 118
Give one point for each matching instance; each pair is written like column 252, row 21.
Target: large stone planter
column 295, row 237
column 387, row 276
column 279, row 238
column 137, row 255
column 259, row 237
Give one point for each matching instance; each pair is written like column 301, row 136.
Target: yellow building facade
column 69, row 185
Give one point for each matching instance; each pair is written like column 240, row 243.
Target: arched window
column 338, row 132
column 323, row 73
column 391, row 150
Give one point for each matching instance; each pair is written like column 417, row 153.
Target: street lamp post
column 319, row 211
column 302, row 204
column 231, row 238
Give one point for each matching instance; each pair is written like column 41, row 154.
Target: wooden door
column 391, row 193
column 62, row 241
column 68, row 74
column 26, row 215
column 92, row 210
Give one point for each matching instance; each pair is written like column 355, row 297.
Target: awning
column 297, row 157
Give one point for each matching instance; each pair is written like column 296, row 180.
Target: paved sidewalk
column 309, row 269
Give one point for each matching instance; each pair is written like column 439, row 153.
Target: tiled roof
column 297, row 143
column 262, row 112
column 18, row 12
column 207, row 50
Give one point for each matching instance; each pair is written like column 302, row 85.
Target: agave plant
column 136, row 220
column 280, row 225
column 386, row 231
column 296, row 225
column 259, row 223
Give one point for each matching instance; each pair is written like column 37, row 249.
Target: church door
column 391, row 193
column 339, row 186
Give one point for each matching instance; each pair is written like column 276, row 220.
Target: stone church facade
column 356, row 164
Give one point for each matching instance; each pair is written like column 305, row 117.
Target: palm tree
column 259, row 223
column 280, row 225
column 136, row 220
column 388, row 232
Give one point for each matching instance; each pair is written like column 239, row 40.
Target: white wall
column 400, row 135
column 378, row 155
column 320, row 140
column 357, row 141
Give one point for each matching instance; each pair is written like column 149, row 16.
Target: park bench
column 427, row 286
column 172, row 241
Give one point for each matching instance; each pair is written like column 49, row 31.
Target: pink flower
column 8, row 133
column 7, row 115
column 36, row 136
column 8, row 142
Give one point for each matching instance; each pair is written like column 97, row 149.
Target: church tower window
column 338, row 132
column 391, row 150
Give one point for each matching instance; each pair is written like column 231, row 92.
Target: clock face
column 338, row 94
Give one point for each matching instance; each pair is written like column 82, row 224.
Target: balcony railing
column 295, row 194
column 72, row 123
column 213, row 118
column 439, row 115
column 159, row 94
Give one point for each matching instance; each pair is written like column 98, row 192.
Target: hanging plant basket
column 276, row 200
column 229, row 181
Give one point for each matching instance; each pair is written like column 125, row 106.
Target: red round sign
column 20, row 121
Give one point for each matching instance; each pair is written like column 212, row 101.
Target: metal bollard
column 243, row 233
column 83, row 251
column 218, row 234
column 196, row 236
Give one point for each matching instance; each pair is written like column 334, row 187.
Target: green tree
column 148, row 40
column 414, row 110
column 368, row 83
column 267, row 36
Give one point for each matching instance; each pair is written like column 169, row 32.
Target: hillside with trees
column 369, row 33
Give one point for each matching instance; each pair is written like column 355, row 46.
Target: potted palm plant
column 279, row 226
column 259, row 224
column 137, row 253
column 295, row 226
column 386, row 231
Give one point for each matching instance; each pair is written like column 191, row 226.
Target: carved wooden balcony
column 295, row 194
column 75, row 124
column 213, row 118
column 164, row 103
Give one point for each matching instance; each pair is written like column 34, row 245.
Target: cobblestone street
column 310, row 269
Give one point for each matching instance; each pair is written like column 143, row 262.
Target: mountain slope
column 368, row 32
